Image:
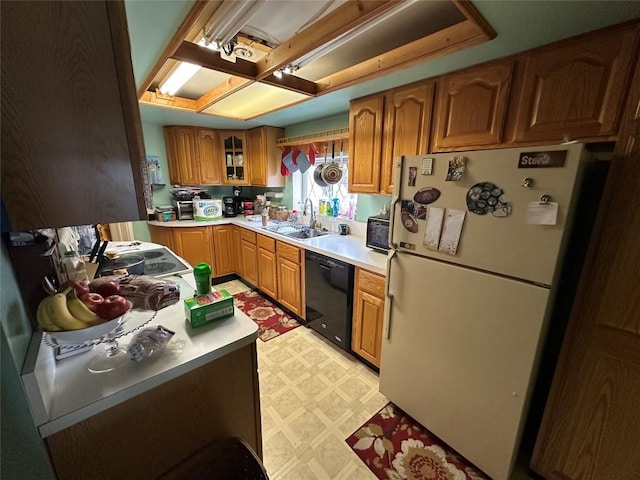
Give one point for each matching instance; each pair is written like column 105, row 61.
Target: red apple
column 80, row 287
column 106, row 289
column 112, row 307
column 92, row 300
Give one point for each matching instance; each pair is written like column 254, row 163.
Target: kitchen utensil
column 331, row 173
column 133, row 264
column 317, row 174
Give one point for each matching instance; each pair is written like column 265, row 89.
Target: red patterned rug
column 395, row 447
column 271, row 320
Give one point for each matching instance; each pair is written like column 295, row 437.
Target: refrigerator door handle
column 395, row 200
column 389, row 297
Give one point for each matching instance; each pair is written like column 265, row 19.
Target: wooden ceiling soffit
column 444, row 42
column 206, row 58
column 223, row 90
column 195, row 20
column 159, row 100
column 343, row 19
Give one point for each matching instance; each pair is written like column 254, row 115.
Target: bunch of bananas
column 65, row 311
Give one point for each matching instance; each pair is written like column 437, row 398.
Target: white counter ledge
column 348, row 248
column 69, row 393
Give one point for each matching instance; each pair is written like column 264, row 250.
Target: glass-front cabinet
column 235, row 161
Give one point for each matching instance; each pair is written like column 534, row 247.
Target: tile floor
column 313, row 396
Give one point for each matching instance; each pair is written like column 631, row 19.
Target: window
column 304, row 186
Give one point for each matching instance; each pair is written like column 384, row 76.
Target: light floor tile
column 313, row 396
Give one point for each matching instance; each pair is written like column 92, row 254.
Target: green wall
column 367, row 204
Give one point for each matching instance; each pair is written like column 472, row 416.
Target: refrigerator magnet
column 451, row 231
column 426, row 195
column 434, row 228
column 408, row 222
column 486, row 197
column 455, row 171
column 413, row 173
column 419, row 212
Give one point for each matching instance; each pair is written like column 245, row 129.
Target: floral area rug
column 395, row 447
column 271, row 320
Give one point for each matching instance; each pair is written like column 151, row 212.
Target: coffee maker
column 232, row 206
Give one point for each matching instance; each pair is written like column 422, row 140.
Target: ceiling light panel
column 254, row 100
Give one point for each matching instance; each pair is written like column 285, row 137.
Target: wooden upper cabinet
column 72, row 150
column 209, row 159
column 263, row 157
column 233, row 152
column 576, row 88
column 407, row 123
column 365, row 144
column 472, row 106
column 193, row 156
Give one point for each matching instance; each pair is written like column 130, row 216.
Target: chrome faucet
column 312, row 218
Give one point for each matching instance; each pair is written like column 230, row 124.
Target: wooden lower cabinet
column 249, row 260
column 162, row 236
column 148, row 434
column 290, row 269
column 225, row 250
column 267, row 266
column 194, row 244
column 368, row 316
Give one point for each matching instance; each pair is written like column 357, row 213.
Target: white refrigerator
column 477, row 241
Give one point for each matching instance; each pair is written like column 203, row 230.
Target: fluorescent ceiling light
column 178, row 78
column 229, row 19
column 350, row 35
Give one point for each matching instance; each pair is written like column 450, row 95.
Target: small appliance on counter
column 229, row 206
column 378, row 233
column 184, row 209
column 165, row 213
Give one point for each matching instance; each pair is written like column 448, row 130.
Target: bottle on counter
column 74, row 267
column 202, row 274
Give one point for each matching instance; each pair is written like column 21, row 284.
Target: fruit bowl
column 78, row 337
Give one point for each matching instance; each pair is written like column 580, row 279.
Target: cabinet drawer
column 248, row 235
column 266, row 243
column 371, row 283
column 288, row 251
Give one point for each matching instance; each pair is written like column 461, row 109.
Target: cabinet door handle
column 389, row 297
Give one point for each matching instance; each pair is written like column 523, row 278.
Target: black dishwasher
column 329, row 298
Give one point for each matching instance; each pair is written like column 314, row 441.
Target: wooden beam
column 343, row 19
column 469, row 10
column 193, row 53
column 444, row 42
column 156, row 99
column 195, row 15
column 292, row 83
column 223, row 90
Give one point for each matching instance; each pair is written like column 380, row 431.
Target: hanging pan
column 317, row 173
column 332, row 173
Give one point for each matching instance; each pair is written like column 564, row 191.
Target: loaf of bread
column 144, row 291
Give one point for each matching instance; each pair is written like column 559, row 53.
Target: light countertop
column 62, row 393
column 348, row 248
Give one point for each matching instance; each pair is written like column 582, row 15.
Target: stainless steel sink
column 306, row 233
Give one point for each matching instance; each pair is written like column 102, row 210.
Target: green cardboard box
column 204, row 309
